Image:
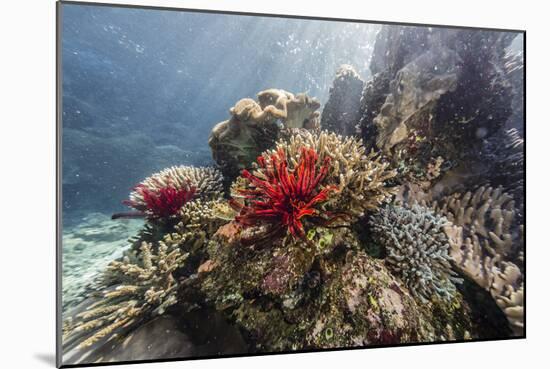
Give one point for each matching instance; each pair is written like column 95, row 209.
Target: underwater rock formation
column 325, row 294
column 289, row 297
column 514, row 67
column 422, row 93
column 253, row 127
column 417, row 249
column 342, row 111
column 487, row 244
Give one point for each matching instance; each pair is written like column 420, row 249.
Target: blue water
column 143, row 88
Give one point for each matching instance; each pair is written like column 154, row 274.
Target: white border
column 27, row 186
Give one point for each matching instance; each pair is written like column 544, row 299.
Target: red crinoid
column 161, row 202
column 282, row 198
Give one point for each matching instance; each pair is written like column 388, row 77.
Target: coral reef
column 487, row 245
column 330, row 240
column 422, row 86
column 137, row 289
column 360, row 178
column 342, row 111
column 293, row 297
column 253, row 127
column 417, row 249
column 283, row 196
column 164, row 193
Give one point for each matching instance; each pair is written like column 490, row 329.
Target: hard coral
column 361, row 177
column 282, row 197
column 418, row 249
column 164, row 202
column 164, row 193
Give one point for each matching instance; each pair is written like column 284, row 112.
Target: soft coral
column 281, row 197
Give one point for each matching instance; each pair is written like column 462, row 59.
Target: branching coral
column 360, row 178
column 134, row 290
column 198, row 222
column 281, row 196
column 321, row 178
column 417, row 249
column 487, row 245
column 163, row 194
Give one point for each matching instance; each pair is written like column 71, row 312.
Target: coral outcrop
column 164, row 193
column 291, row 296
column 361, row 178
column 486, row 243
column 417, row 249
column 422, row 87
column 254, row 127
column 342, row 111
column 282, row 196
column 330, row 240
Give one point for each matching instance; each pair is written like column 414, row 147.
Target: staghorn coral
column 417, row 249
column 487, row 245
column 360, row 177
column 133, row 291
column 281, row 196
column 163, row 194
column 255, row 126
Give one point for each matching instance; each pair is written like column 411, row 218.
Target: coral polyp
column 162, row 203
column 282, row 197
